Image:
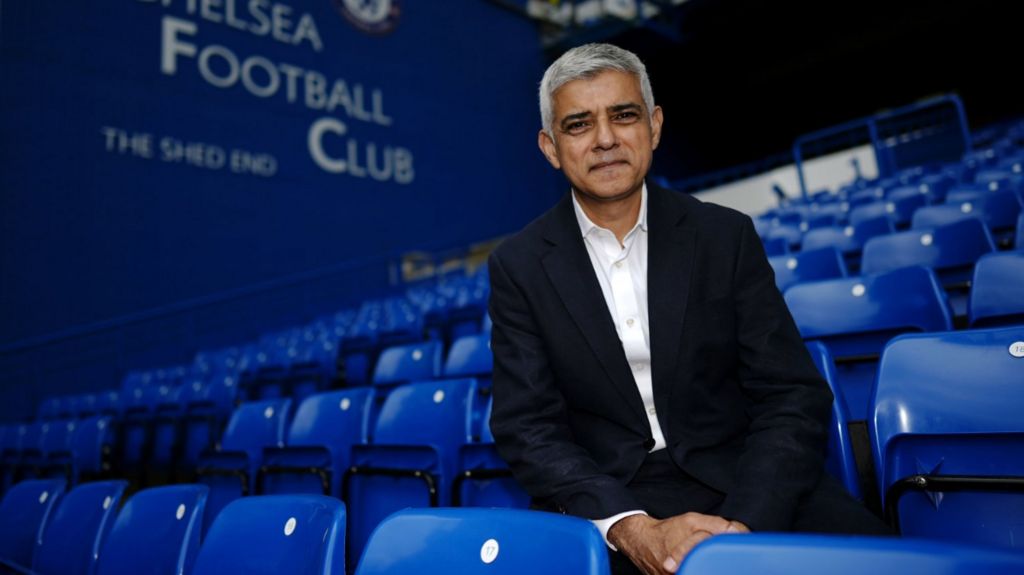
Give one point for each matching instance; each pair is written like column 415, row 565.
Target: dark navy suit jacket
column 741, row 405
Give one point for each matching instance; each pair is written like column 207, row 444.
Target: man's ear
column 657, row 117
column 547, row 146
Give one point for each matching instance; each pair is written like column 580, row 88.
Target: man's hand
column 658, row 546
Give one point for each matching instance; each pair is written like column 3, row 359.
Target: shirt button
column 639, row 367
column 629, row 322
column 618, row 264
column 651, row 410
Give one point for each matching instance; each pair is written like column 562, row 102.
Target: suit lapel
column 670, row 255
column 568, row 267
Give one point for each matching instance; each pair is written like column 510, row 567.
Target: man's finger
column 672, row 562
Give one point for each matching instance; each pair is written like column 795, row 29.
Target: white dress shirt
column 621, row 271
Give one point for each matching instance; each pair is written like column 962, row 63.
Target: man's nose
column 604, row 135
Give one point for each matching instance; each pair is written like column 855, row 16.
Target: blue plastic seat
column 800, row 554
column 90, row 449
column 999, row 210
column 898, row 208
column 791, row 234
column 855, row 317
column 839, row 458
column 230, row 472
column 948, row 435
column 849, row 240
column 157, row 533
column 1020, row 232
column 997, row 291
column 806, row 266
column 414, row 455
column 71, row 542
column 274, row 534
column 405, row 363
column 950, row 250
column 24, row 512
column 208, row 403
column 484, row 479
column 484, row 541
column 48, row 408
column 319, row 442
column 470, row 356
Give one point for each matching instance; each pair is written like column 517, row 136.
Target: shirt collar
column 587, row 226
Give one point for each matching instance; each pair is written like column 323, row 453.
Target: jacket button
column 649, row 444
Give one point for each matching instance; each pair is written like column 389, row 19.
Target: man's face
column 603, row 139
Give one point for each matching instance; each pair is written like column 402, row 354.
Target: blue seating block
column 485, row 542
column 806, row 266
column 947, row 432
column 157, row 532
column 800, row 554
column 71, row 542
column 25, row 511
column 405, row 363
column 414, row 457
column 856, row 316
column 997, row 290
column 320, row 439
column 274, row 534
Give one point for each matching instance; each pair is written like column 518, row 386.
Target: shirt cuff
column 603, row 525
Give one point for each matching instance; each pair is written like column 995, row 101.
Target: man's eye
column 576, row 127
column 626, row 116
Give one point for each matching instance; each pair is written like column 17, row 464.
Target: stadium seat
column 405, row 363
column 948, row 436
column 208, row 402
column 803, row 554
column 484, row 479
column 230, row 472
column 899, row 208
column 839, row 456
column 950, row 250
column 470, row 356
column 322, row 434
column 855, row 317
column 806, row 266
column 997, row 292
column 484, row 541
column 999, row 210
column 90, row 450
column 24, row 512
column 1020, row 232
column 274, row 534
column 414, row 457
column 74, row 535
column 157, row 532
column 790, row 234
column 849, row 240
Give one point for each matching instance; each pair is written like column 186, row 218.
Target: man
column 647, row 374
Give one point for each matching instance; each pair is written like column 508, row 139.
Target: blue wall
column 153, row 152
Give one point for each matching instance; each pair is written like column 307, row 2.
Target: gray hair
column 585, row 62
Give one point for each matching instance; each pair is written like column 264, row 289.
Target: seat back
column 950, row 404
column 470, row 356
column 997, row 290
column 812, row 265
column 24, row 513
column 91, row 445
column 405, row 363
column 1020, row 232
column 800, row 554
column 273, row 534
column 953, row 245
column 999, row 210
column 337, row 418
column 255, row 424
column 839, row 458
column 435, row 413
column 485, row 541
column 157, row 532
column 71, row 542
column 855, row 317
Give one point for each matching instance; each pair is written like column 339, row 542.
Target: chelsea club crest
column 371, row 16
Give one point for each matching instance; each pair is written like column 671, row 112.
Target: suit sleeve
column 783, row 456
column 529, row 418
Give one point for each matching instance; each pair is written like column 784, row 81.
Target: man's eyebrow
column 574, row 117
column 625, row 107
